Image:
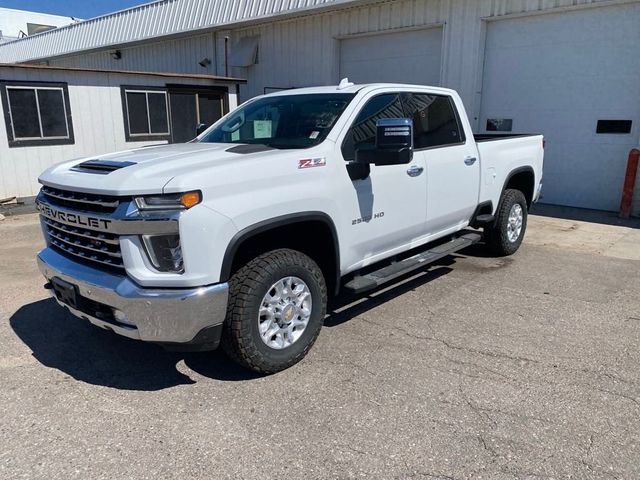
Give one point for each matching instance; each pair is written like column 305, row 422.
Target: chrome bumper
column 173, row 316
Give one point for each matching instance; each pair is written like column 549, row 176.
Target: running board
column 375, row 279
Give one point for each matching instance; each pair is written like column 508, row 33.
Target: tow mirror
column 201, row 128
column 394, row 143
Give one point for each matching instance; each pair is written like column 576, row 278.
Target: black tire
column 241, row 338
column 497, row 236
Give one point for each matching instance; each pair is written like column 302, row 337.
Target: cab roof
column 350, row 88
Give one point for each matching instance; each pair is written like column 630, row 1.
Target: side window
column 363, row 131
column 435, row 120
column 146, row 114
column 37, row 114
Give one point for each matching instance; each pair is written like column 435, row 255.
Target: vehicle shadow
column 89, row 354
column 99, row 357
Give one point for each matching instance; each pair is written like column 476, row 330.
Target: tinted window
column 363, row 131
column 37, row 113
column 52, row 113
column 435, row 122
column 24, row 113
column 137, row 112
column 158, row 113
column 146, row 113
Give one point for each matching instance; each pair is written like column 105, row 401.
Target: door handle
column 415, row 171
column 470, row 160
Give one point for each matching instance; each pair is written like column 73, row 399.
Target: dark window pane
column 614, row 126
column 137, row 111
column 210, row 106
column 54, row 122
column 24, row 113
column 158, row 112
column 363, row 131
column 434, row 120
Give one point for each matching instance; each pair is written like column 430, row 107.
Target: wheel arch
column 523, row 179
column 272, row 233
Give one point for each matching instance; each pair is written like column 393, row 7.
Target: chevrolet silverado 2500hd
column 239, row 237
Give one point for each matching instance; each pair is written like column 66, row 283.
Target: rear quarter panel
column 500, row 158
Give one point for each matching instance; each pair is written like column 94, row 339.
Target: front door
column 189, row 108
column 387, row 210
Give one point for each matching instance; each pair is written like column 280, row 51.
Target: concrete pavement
column 519, row 367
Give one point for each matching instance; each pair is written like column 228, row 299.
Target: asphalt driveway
column 524, row 367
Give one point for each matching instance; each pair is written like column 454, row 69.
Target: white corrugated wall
column 180, row 55
column 305, row 50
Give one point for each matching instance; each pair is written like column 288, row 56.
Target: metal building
column 567, row 68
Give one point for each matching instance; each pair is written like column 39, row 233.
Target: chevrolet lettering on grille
column 73, row 218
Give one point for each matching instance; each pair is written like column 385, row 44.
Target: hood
column 146, row 170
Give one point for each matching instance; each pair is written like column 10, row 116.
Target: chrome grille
column 85, row 202
column 102, row 248
column 80, row 241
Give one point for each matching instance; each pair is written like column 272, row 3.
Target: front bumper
column 189, row 316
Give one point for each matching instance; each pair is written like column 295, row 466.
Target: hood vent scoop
column 102, row 167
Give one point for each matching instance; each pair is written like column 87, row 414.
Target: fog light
column 164, row 252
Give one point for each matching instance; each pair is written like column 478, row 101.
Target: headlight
column 165, row 252
column 174, row 201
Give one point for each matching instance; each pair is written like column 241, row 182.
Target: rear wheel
column 505, row 236
column 276, row 309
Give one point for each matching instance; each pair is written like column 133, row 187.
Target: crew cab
column 240, row 237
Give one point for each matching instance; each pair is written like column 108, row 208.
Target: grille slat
column 81, row 201
column 111, row 239
column 76, row 243
column 93, row 246
column 81, row 254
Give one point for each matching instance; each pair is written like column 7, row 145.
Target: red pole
column 629, row 183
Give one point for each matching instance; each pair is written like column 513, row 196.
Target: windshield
column 283, row 121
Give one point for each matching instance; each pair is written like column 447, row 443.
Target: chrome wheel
column 284, row 313
column 514, row 226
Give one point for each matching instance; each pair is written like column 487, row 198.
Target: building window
column 146, row 114
column 37, row 113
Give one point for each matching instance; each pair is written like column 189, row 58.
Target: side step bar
column 391, row 272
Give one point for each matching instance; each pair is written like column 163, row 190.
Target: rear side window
column 362, row 133
column 435, row 120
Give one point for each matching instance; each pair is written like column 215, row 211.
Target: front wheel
column 505, row 236
column 277, row 304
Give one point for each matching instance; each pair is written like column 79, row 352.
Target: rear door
column 452, row 163
column 388, row 209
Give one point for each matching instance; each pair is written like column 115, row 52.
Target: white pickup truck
column 240, row 236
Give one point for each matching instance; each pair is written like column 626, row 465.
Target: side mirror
column 394, row 143
column 201, row 128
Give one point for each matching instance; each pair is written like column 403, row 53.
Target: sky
column 72, row 8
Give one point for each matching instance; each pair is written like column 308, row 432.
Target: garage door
column 575, row 77
column 403, row 57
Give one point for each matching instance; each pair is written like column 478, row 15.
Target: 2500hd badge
column 73, row 218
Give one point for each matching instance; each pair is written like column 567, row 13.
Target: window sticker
column 262, row 128
column 314, row 135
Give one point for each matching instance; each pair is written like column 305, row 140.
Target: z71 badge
column 312, row 162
